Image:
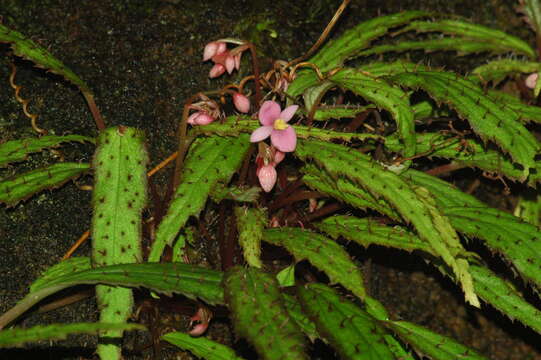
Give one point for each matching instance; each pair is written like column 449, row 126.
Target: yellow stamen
column 280, row 124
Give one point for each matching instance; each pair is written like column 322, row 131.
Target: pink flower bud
column 222, row 47
column 241, row 102
column 217, row 70
column 237, row 60
column 267, row 177
column 531, row 80
column 203, row 119
column 230, row 64
column 200, row 118
column 278, row 157
column 210, row 50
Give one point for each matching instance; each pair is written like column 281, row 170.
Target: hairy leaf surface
column 201, row 346
column 21, row 187
column 259, row 314
column 17, row 336
column 490, row 120
column 352, row 332
column 18, row 150
column 210, row 161
column 321, row 252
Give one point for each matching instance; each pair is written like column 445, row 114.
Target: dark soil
column 142, row 59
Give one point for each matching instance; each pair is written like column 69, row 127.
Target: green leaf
column 497, row 70
column 467, row 31
column 428, row 343
column 259, row 314
column 465, row 153
column 29, row 50
column 210, row 161
column 328, row 112
column 350, row 330
column 366, row 232
column 349, row 45
column 18, row 150
column 363, row 171
column 488, row 286
column 460, row 45
column 250, row 223
column 17, row 336
column 295, row 312
column 201, row 346
column 321, row 252
column 189, row 280
column 490, row 120
column 120, row 193
column 518, row 241
column 65, row 267
column 344, row 190
column 385, row 96
column 236, row 125
column 21, row 187
column 286, row 276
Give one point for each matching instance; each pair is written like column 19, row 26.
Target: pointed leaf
column 321, row 252
column 18, row 150
column 359, row 168
column 490, row 120
column 259, row 314
column 21, row 187
column 201, row 346
column 350, row 330
column 29, row 50
column 17, row 336
column 210, row 161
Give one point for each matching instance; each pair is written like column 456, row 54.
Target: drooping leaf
column 347, row 46
column 532, row 14
column 515, row 239
column 488, row 286
column 189, row 280
column 364, row 172
column 321, row 252
column 259, row 314
column 65, row 267
column 21, row 187
column 210, row 161
column 201, row 346
column 120, row 193
column 490, row 120
column 29, row 50
column 384, row 96
column 18, row 150
column 295, row 312
column 501, row 41
column 352, row 332
column 17, row 336
column 250, row 223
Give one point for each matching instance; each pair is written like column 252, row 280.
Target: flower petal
column 288, row 112
column 284, row 140
column 261, row 133
column 269, row 111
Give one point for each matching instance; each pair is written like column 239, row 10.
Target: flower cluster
column 224, row 60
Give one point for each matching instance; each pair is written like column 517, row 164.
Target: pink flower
column 241, row 102
column 213, row 48
column 531, row 80
column 274, row 121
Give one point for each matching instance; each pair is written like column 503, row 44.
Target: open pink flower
column 531, row 80
column 274, row 121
